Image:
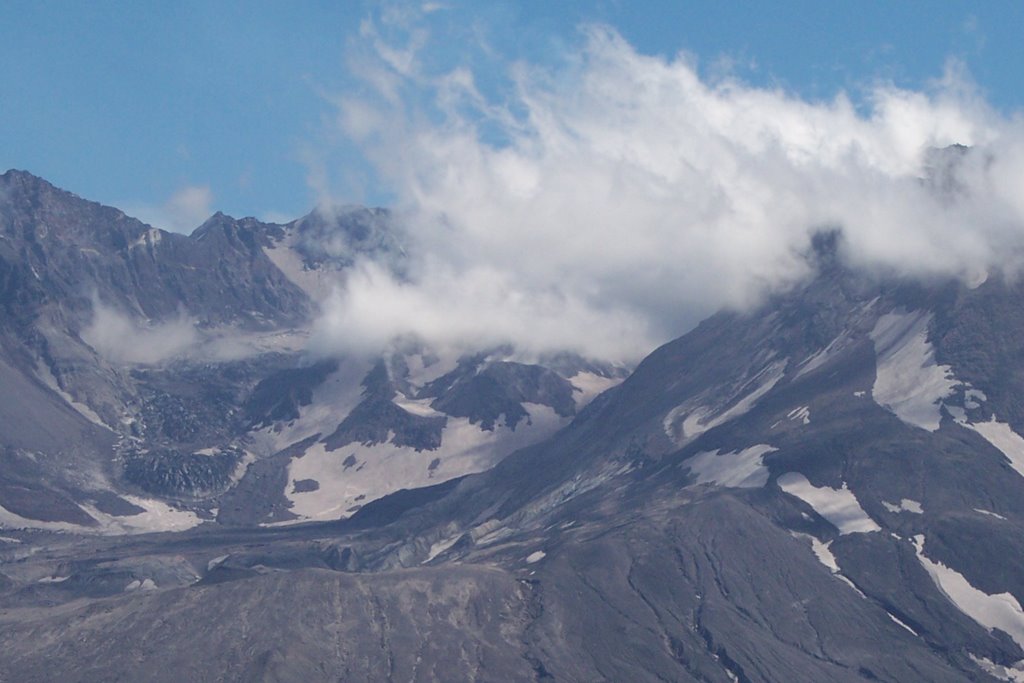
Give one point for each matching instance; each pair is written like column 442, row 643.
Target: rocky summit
column 158, row 381
column 826, row 487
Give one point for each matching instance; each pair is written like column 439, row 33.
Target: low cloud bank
column 608, row 205
column 119, row 339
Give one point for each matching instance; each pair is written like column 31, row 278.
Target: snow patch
column 144, row 585
column 1013, row 673
column 441, row 546
column 838, row 506
column 216, row 562
column 332, row 401
column 908, row 382
column 990, row 513
column 802, row 414
column 417, row 406
column 821, row 357
column 997, row 433
column 958, row 414
column 156, row 516
column 588, row 385
column 46, row 375
column 53, row 579
column 701, row 419
column 822, row 551
column 1000, row 611
column 973, row 398
column 905, row 505
column 385, row 468
column 577, row 486
column 901, row 623
column 11, row 520
column 851, row 584
column 1009, row 442
column 490, row 532
column 535, row 557
column 318, row 283
column 738, row 469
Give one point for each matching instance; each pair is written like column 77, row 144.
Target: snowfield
column 738, row 469
column 356, row 474
column 589, row 385
column 908, row 382
column 838, row 506
column 1000, row 611
column 684, row 423
column 905, row 505
column 156, row 516
column 1009, row 442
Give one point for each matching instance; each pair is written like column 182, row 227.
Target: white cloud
column 183, row 212
column 119, row 339
column 610, row 204
column 471, row 308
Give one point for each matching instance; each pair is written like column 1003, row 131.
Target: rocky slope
column 825, row 488
column 157, row 380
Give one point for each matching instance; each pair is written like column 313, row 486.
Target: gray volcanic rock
column 779, row 433
column 438, row 625
column 485, row 392
column 827, row 487
column 161, row 368
column 68, row 249
column 378, row 420
column 173, row 473
column 65, row 263
column 337, row 235
column 280, row 396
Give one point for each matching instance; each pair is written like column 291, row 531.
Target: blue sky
column 133, row 103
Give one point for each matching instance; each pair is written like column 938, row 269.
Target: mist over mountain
column 154, row 369
column 613, row 200
column 463, row 439
column 822, row 484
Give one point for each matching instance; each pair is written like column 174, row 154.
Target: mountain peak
column 825, row 246
column 19, row 174
column 13, row 173
column 250, row 230
column 29, row 181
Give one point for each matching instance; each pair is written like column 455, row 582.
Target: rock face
column 486, row 392
column 167, row 369
column 826, row 488
column 836, row 435
column 62, row 251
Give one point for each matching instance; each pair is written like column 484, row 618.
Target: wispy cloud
column 608, row 204
column 120, row 339
column 183, row 212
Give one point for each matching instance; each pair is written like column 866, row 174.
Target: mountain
column 156, row 380
column 827, row 487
